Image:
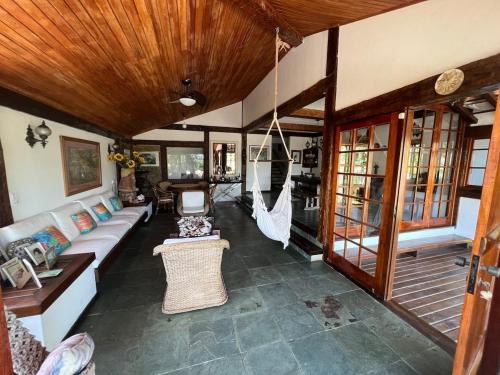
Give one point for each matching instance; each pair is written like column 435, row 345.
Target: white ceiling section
column 228, row 116
column 382, row 53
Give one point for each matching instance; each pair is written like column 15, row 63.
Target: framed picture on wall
column 152, row 158
column 254, row 150
column 81, row 165
column 297, row 156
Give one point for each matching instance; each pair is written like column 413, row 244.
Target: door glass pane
column 381, row 136
column 378, row 161
column 427, row 138
column 481, row 143
column 361, row 140
column 478, row 158
column 476, row 177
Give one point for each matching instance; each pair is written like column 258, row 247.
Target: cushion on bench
column 25, row 228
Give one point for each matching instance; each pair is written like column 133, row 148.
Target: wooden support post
column 5, row 209
column 244, row 141
column 328, row 136
column 206, row 155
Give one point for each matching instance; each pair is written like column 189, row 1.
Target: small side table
column 148, row 203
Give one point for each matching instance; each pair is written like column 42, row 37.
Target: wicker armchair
column 28, row 353
column 163, row 186
column 163, row 198
column 194, row 277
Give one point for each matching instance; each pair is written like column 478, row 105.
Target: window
column 185, row 163
column 477, row 161
column 431, row 168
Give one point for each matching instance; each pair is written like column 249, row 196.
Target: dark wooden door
column 361, row 219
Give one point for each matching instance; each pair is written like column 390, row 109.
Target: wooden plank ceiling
column 116, row 63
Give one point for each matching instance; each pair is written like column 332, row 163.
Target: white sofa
column 100, row 241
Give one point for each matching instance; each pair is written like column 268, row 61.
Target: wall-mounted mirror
column 224, row 159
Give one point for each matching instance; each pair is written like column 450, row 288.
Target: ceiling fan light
column 188, row 102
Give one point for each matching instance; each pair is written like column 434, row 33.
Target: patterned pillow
column 16, row 248
column 69, row 357
column 116, row 203
column 84, row 222
column 52, row 237
column 101, row 212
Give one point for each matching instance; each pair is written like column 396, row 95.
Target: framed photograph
column 254, row 150
column 152, row 158
column 33, row 273
column 81, row 165
column 50, row 257
column 16, row 272
column 36, row 253
column 297, row 156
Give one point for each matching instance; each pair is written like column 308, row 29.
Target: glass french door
column 361, row 221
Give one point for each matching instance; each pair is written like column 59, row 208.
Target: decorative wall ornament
column 449, row 82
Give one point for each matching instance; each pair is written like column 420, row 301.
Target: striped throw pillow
column 84, row 222
column 101, row 212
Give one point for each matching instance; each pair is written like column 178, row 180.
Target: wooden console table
column 51, row 311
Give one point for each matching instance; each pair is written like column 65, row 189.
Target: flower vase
column 126, row 187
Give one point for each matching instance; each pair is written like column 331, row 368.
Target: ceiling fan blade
column 199, row 97
column 175, row 101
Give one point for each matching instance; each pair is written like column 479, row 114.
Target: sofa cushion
column 25, row 228
column 84, row 222
column 16, row 248
column 105, row 200
column 52, row 237
column 101, row 212
column 90, row 201
column 62, row 216
column 129, row 220
column 115, row 231
column 116, row 203
column 101, row 247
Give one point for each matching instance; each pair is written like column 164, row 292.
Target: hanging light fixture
column 187, row 101
column 42, row 130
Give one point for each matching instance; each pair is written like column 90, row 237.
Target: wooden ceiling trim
column 309, row 113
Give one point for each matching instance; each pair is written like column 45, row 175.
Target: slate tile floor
column 284, row 316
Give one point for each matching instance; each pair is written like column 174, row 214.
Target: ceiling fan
column 190, row 97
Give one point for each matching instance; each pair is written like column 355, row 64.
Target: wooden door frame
column 376, row 284
column 5, row 354
column 488, row 218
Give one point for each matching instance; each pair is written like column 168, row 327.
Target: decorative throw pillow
column 69, row 357
column 16, row 248
column 116, row 203
column 84, row 222
column 52, row 237
column 101, row 212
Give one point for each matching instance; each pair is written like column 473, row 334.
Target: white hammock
column 276, row 223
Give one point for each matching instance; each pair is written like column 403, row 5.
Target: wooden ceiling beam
column 491, row 98
column 263, row 11
column 301, row 127
column 466, row 113
column 313, row 114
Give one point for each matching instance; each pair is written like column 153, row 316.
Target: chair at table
column 194, row 276
column 193, row 203
column 163, row 199
column 163, row 186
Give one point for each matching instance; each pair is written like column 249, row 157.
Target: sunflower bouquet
column 124, row 161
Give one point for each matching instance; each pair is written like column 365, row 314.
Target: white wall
column 394, row 49
column 263, row 169
column 229, row 116
column 35, row 175
column 171, row 135
column 468, row 211
column 301, row 68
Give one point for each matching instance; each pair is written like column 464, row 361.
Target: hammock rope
column 276, row 223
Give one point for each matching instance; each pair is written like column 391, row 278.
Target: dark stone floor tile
column 296, row 321
column 238, row 279
column 397, row 334
column 119, row 358
column 319, row 354
column 232, row 365
column 276, row 359
column 317, row 268
column 265, row 275
column 255, row 330
column 363, row 347
column 396, row 368
column 232, row 263
column 320, row 286
column 211, row 340
column 291, row 271
column 434, row 361
column 281, row 257
column 277, row 295
column 256, row 261
column 329, row 312
column 361, row 305
column 127, row 297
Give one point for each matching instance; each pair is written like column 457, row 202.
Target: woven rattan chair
column 28, row 353
column 163, row 198
column 194, row 277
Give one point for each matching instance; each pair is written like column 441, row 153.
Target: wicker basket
column 194, row 277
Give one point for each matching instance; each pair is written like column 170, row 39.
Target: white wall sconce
column 42, row 130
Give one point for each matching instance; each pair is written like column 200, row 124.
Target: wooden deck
column 432, row 287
